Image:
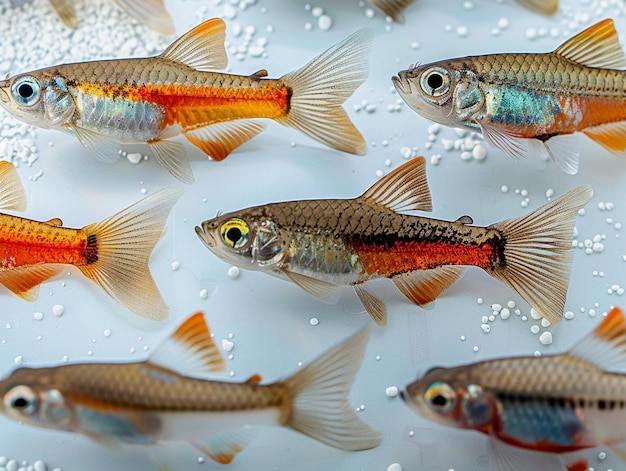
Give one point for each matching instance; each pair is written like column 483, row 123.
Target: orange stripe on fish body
column 25, row 242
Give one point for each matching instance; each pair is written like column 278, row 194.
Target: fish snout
column 205, row 236
column 4, row 96
column 403, row 396
column 401, row 82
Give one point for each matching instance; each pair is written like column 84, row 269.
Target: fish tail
column 537, row 252
column 393, row 8
column 320, row 88
column 319, row 398
column 119, row 248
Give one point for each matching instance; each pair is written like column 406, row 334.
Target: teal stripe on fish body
column 117, row 426
column 514, row 106
column 530, row 421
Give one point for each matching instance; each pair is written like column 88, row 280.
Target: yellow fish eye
column 21, row 399
column 436, row 81
column 26, row 90
column 235, row 233
column 440, row 397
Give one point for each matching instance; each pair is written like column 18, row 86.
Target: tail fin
column 121, row 246
column 320, row 88
column 319, row 392
column 538, row 252
column 393, row 8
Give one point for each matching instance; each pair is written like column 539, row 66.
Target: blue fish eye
column 436, row 81
column 21, row 399
column 26, row 90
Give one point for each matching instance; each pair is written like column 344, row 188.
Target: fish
column 322, row 244
column 530, row 105
column 168, row 398
column 151, row 13
column 395, row 8
column 149, row 100
column 552, row 405
column 113, row 253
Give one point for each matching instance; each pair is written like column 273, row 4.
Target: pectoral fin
column 220, row 139
column 509, row 458
column 424, row 286
column 25, row 281
column 323, row 290
column 101, row 147
column 374, row 306
column 12, row 194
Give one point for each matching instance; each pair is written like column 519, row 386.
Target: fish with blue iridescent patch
column 530, row 105
column 539, row 412
column 150, row 100
column 166, row 398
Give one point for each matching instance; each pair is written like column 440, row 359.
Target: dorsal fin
column 202, row 48
column 12, row 195
column 404, row 189
column 190, row 350
column 605, row 347
column 597, row 46
column 259, row 73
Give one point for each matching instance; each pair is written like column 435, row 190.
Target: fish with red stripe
column 322, row 244
column 149, row 100
column 558, row 405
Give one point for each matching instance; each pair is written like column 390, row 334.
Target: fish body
column 321, row 244
column 529, row 105
column 151, row 13
column 113, row 253
column 556, row 404
column 165, row 398
column 148, row 100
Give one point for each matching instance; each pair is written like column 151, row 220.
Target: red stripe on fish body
column 25, row 242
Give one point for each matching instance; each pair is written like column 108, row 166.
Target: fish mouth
column 206, row 237
column 4, row 96
column 401, row 83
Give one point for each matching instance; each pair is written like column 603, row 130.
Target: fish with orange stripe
column 113, row 253
column 530, row 105
column 322, row 244
column 558, row 405
column 165, row 398
column 105, row 103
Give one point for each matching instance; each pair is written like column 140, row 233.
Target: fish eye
column 235, row 233
column 440, row 397
column 436, row 81
column 26, row 90
column 22, row 399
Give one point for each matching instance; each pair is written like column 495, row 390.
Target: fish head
column 30, row 396
column 447, row 396
column 445, row 92
column 39, row 98
column 247, row 239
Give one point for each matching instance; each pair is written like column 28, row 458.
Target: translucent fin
column 374, row 306
column 323, row 290
column 151, row 13
column 319, row 398
column 25, row 281
column 101, row 147
column 66, row 11
column 201, row 48
column 538, row 252
column 465, row 220
column 581, row 464
column 510, row 458
column 424, row 286
column 173, row 156
column 220, row 139
column 320, row 88
column 404, row 189
column 12, row 194
column 612, row 136
column 223, row 447
column 605, row 347
column 56, row 222
column 514, row 146
column 597, row 46
column 546, row 7
column 565, row 151
column 190, row 350
column 393, row 8
column 123, row 244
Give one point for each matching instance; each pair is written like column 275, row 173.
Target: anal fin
column 220, row 139
column 424, row 286
column 25, row 281
column 611, row 136
column 323, row 290
column 223, row 447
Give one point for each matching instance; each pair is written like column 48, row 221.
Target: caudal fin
column 538, row 252
column 319, row 392
column 120, row 247
column 393, row 8
column 320, row 88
